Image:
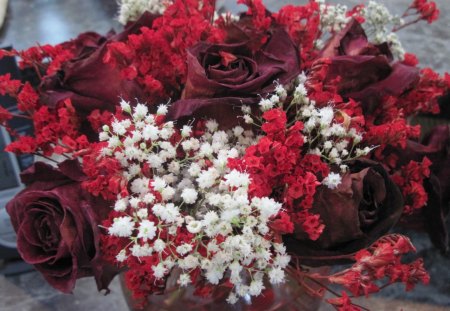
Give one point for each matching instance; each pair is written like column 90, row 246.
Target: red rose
column 223, row 76
column 56, row 222
column 88, row 81
column 366, row 71
column 362, row 208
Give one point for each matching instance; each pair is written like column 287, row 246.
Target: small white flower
column 212, row 125
column 162, row 109
column 237, row 179
column 238, row 130
column 189, row 195
column 121, row 256
column 232, row 298
column 186, row 131
column 301, row 91
column 248, row 119
column 246, row 109
column 206, row 179
column 119, row 127
column 183, row 249
column 121, row 205
column 134, row 202
column 327, row 145
column 190, row 262
column 158, row 184
column 276, row 276
column 147, row 230
column 140, row 185
column 141, row 251
column 125, row 106
column 275, row 99
column 103, row 136
column 256, row 287
column 194, row 227
column 184, row 279
column 267, row 206
column 140, row 111
column 281, row 91
column 149, row 198
column 214, row 276
column 159, row 245
column 282, row 261
column 167, row 193
column 333, row 153
column 142, row 213
column 265, row 104
column 206, row 150
column 159, row 271
column 170, row 213
column 122, row 227
column 150, row 132
column 114, row 142
column 209, row 218
column 332, row 181
column 326, row 115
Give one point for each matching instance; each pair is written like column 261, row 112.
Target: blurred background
column 27, row 22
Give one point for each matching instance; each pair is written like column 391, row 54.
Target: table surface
column 53, row 21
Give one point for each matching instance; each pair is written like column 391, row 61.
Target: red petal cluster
column 302, row 23
column 410, row 179
column 279, row 169
column 382, row 260
column 427, row 9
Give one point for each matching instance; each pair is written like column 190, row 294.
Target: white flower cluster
column 333, row 18
column 197, row 194
column 131, row 10
column 334, row 142
column 378, row 25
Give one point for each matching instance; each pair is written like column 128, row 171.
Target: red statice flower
column 410, row 178
column 258, row 12
column 303, row 25
column 5, row 115
column 343, row 303
column 423, row 98
column 382, row 263
column 156, row 57
column 8, row 86
column 427, row 9
column 104, row 175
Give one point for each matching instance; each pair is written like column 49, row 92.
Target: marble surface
column 53, row 21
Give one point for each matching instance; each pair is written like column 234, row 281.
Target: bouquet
column 231, row 151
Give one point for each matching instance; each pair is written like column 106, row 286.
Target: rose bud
column 222, row 77
column 361, row 209
column 56, row 222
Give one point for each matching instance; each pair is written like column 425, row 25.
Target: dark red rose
column 223, row 76
column 56, row 222
column 360, row 210
column 367, row 72
column 87, row 80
